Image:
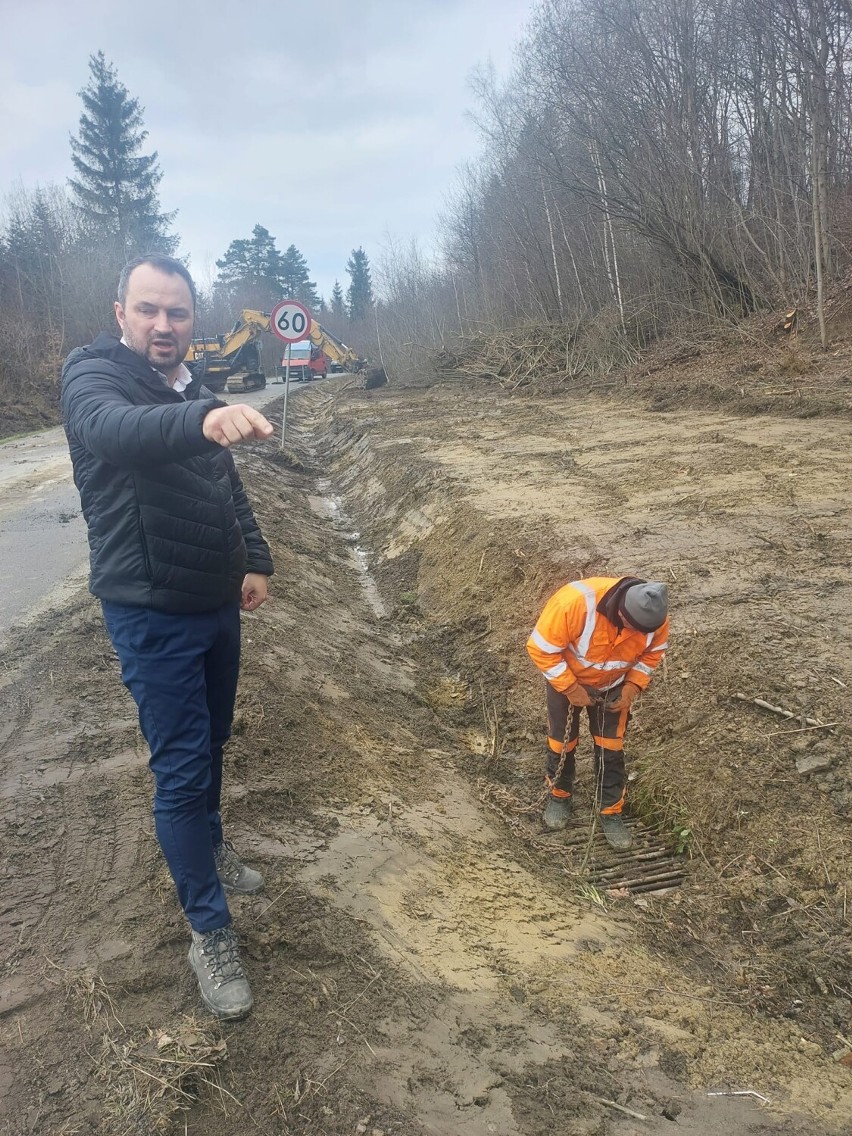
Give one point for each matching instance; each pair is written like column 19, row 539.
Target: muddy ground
column 424, row 958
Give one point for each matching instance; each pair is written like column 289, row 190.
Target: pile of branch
column 514, row 356
column 527, row 354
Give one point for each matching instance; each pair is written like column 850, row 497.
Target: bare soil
column 32, row 408
column 424, row 958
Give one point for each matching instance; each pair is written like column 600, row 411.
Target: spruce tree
column 359, row 297
column 295, row 279
column 338, row 309
column 115, row 191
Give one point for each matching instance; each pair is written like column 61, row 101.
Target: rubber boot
column 557, row 813
column 616, row 833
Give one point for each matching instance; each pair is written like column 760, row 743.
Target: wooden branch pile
column 529, row 354
column 514, row 357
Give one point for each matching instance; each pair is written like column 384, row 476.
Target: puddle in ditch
column 328, row 504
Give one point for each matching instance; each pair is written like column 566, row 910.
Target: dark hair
column 160, row 262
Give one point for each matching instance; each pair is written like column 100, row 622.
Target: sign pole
column 290, row 321
column 286, row 394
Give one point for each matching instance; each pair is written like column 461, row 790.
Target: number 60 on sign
column 290, row 320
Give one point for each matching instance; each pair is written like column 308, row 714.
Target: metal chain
column 563, row 758
column 600, row 706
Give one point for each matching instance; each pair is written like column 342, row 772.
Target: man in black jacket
column 175, row 553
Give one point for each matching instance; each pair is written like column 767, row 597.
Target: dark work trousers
column 182, row 672
column 607, row 728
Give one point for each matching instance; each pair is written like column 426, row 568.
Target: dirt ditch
column 425, row 959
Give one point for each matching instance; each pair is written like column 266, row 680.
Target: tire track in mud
column 415, row 968
column 71, row 810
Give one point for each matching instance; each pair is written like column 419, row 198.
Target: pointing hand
column 231, row 425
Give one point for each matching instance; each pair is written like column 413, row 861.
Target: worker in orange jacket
column 597, row 642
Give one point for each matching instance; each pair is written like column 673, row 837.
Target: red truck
column 307, row 362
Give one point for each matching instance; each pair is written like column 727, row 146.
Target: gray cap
column 646, row 606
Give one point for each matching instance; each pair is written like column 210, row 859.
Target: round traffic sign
column 290, row 320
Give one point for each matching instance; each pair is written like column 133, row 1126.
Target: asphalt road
column 44, row 553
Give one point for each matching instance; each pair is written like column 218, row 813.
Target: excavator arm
column 233, row 359
column 248, row 327
column 334, row 348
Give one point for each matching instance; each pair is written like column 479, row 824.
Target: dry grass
column 286, row 459
column 87, row 990
column 249, row 715
column 151, row 1078
column 658, row 803
column 159, row 880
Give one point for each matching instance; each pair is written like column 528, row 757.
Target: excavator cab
column 231, row 361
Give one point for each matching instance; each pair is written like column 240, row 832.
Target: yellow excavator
column 231, row 360
column 321, row 352
column 340, row 357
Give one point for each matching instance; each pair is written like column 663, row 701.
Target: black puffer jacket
column 170, row 526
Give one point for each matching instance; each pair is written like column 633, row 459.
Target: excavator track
column 240, row 384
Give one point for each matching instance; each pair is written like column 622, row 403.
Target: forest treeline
column 62, row 249
column 647, row 165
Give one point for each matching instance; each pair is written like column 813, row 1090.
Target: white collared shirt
column 182, row 379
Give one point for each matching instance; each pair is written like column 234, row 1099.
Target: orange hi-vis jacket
column 574, row 641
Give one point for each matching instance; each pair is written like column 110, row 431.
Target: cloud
column 331, row 125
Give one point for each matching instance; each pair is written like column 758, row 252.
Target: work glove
column 625, row 698
column 578, row 695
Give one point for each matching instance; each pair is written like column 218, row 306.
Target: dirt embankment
column 34, row 408
column 424, row 959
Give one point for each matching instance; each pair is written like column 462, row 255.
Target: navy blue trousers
column 182, row 671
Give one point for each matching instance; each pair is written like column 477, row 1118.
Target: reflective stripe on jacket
column 574, row 641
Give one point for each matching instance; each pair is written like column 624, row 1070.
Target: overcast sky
column 332, row 123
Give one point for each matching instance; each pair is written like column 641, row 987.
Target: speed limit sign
column 290, row 320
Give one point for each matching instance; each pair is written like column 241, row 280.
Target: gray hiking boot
column 616, row 833
column 215, row 958
column 233, row 873
column 557, row 813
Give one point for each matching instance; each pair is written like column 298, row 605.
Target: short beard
column 167, row 363
column 146, row 351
